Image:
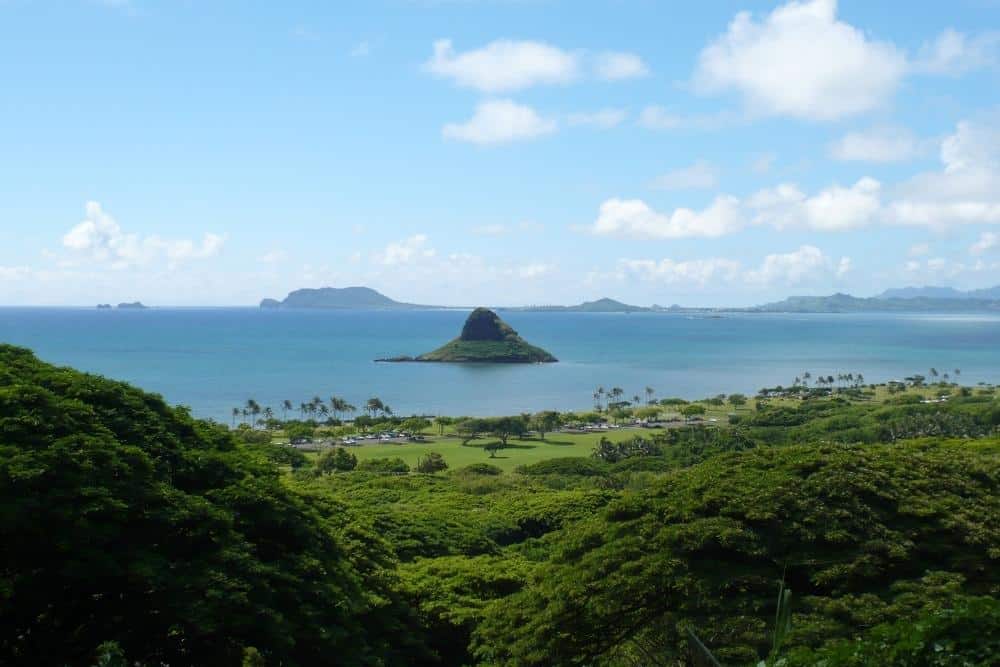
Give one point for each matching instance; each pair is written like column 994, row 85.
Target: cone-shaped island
column 486, row 339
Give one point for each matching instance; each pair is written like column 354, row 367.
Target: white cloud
column 102, row 239
column 954, row 53
column 834, row 209
column 603, row 119
column 919, row 250
column 700, row 175
column 634, row 218
column 533, row 270
column 690, row 272
column 504, row 65
column 500, row 121
column 361, row 49
column 987, row 241
column 966, row 190
column 800, row 61
column 615, row 66
column 408, row 251
column 807, row 264
column 883, row 144
column 655, row 117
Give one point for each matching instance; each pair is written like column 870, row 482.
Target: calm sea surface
column 214, row 359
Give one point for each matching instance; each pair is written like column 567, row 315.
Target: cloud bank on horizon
column 463, row 153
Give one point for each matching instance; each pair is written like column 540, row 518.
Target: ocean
column 214, row 359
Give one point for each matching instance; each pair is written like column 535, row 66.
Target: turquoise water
column 214, row 359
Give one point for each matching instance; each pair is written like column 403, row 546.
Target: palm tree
column 958, row 372
column 254, row 409
column 374, row 405
column 934, row 372
column 323, row 411
column 636, row 400
column 268, row 414
column 286, row 405
column 236, row 413
column 616, row 393
column 806, row 377
column 303, row 409
column 650, row 392
column 597, row 401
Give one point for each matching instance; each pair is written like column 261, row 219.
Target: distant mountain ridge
column 340, row 297
column 906, row 299
column 845, row 303
column 930, row 292
column 604, row 305
column 366, row 298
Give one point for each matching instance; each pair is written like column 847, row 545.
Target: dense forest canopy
column 820, row 532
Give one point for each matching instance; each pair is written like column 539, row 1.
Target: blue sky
column 464, row 152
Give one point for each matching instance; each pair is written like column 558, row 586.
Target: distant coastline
column 910, row 299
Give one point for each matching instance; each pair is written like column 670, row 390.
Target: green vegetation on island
column 831, row 522
column 845, row 303
column 485, row 338
column 339, row 298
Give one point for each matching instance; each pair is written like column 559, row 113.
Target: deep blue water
column 214, row 359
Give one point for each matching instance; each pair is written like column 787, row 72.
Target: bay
column 213, row 359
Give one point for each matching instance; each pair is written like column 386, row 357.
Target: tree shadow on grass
column 510, row 445
column 559, row 443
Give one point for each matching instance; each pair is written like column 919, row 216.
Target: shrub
column 481, row 469
column 431, row 463
column 387, row 466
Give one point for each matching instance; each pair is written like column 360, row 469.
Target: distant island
column 104, row 306
column 366, row 298
column 359, row 298
column 485, row 338
column 135, row 305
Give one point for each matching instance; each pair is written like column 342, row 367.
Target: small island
column 485, row 338
column 134, row 305
column 104, row 306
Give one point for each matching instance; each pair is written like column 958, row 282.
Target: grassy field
column 517, row 453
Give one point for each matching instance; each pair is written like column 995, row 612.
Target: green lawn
column 517, row 453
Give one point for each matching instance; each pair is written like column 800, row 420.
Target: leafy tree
column 693, row 410
column 442, row 423
column 125, row 520
column 859, row 532
column 415, row 425
column 545, row 422
column 737, row 400
column 505, row 427
column 336, row 459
